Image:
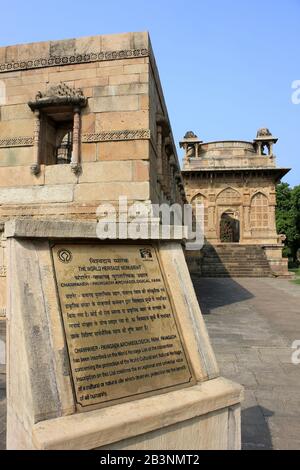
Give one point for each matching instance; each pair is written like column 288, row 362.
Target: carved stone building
column 82, row 121
column 235, row 181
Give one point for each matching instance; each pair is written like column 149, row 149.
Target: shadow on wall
column 2, row 341
column 2, row 387
column 256, row 434
column 220, row 292
column 206, row 262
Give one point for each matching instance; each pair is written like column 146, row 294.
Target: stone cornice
column 54, row 61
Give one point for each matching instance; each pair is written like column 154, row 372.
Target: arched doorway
column 229, row 228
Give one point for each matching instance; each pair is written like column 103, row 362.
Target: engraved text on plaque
column 121, row 330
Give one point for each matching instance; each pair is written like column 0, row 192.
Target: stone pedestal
column 278, row 264
column 200, row 410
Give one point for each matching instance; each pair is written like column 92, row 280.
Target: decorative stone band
column 73, row 59
column 117, row 135
column 143, row 134
column 16, row 142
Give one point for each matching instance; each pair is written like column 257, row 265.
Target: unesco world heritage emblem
column 64, row 255
column 146, row 253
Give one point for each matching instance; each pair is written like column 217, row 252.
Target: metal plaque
column 121, row 330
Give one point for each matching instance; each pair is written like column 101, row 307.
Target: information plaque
column 121, row 330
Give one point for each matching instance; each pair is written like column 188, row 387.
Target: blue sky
column 226, row 66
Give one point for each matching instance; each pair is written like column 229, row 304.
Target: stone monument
column 235, row 181
column 107, row 347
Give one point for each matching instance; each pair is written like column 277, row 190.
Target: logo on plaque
column 146, row 253
column 64, row 255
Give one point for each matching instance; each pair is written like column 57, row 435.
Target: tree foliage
column 288, row 217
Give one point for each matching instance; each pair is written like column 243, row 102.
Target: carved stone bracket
column 59, row 95
column 35, row 169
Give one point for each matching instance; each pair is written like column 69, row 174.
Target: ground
column 252, row 325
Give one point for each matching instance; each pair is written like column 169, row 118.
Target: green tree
column 288, row 217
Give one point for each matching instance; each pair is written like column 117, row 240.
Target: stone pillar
column 75, row 162
column 272, row 219
column 3, row 280
column 185, row 151
column 212, row 229
column 173, row 168
column 211, row 224
column 247, row 218
column 271, row 149
column 259, row 148
column 35, row 168
column 159, row 154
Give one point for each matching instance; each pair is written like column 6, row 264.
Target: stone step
column 233, row 272
column 234, row 261
column 236, row 258
column 236, row 275
column 232, row 266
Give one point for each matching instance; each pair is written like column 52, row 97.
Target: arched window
column 229, row 227
column 228, row 197
column 259, row 211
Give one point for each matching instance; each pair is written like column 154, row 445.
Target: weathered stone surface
column 130, row 150
column 119, row 90
column 17, row 111
column 110, row 192
column 124, row 120
column 10, row 177
column 16, row 156
column 8, row 128
column 94, row 431
column 106, row 171
column 114, row 103
column 88, row 152
column 140, row 170
column 43, row 194
column 58, row 174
